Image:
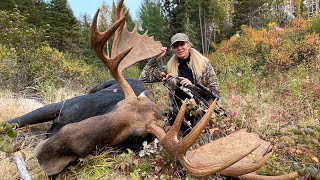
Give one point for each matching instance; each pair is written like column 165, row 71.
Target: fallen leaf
column 213, row 130
column 157, row 169
column 315, row 159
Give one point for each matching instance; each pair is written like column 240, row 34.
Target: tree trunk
column 205, row 35
column 201, row 29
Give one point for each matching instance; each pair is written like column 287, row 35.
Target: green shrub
column 314, row 24
column 7, row 135
column 235, row 74
column 28, row 63
column 53, row 69
column 16, row 33
column 8, row 62
column 133, row 72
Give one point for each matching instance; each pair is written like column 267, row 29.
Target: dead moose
column 138, row 116
column 100, row 100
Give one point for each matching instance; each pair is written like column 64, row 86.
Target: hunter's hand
column 164, row 51
column 185, row 81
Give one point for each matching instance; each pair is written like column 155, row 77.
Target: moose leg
column 44, row 114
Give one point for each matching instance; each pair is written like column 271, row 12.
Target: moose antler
column 210, row 158
column 228, row 155
column 128, row 48
column 236, row 155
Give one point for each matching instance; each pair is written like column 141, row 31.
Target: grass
column 278, row 107
column 11, row 107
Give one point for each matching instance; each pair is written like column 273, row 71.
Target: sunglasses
column 178, row 44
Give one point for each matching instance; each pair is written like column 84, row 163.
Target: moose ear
column 147, row 93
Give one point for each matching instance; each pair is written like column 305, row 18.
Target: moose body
column 102, row 99
column 117, row 128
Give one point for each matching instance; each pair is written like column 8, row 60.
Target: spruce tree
column 129, row 20
column 173, row 11
column 33, row 10
column 199, row 19
column 248, row 12
column 86, row 52
column 63, row 31
column 7, row 5
column 151, row 19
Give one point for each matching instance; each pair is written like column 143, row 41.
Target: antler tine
column 118, row 9
column 117, row 38
column 171, row 137
column 98, row 40
column 174, row 130
column 156, row 130
column 135, row 28
column 240, row 168
column 187, row 141
column 170, row 140
column 255, row 176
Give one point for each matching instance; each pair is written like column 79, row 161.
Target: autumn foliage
column 271, row 49
column 255, row 53
column 269, row 80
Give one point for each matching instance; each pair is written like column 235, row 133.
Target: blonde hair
column 197, row 62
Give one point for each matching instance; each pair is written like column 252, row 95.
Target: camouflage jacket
column 151, row 73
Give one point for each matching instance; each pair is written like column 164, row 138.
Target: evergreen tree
column 248, row 12
column 129, row 20
column 151, row 19
column 33, row 10
column 199, row 19
column 63, row 32
column 7, row 5
column 169, row 9
column 84, row 42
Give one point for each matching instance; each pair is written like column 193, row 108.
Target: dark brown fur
column 80, row 139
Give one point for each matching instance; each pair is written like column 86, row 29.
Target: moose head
column 138, row 116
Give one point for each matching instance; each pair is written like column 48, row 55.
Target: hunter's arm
column 209, row 78
column 151, row 72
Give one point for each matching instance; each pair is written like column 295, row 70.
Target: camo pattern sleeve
column 151, row 72
column 209, row 78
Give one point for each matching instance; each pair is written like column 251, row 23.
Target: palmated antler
column 236, row 155
column 128, row 48
column 210, row 158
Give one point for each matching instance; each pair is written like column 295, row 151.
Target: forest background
column 265, row 53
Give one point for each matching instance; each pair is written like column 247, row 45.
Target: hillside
column 269, row 79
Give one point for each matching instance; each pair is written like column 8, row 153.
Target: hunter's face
column 181, row 49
